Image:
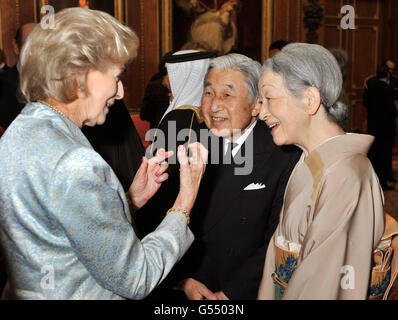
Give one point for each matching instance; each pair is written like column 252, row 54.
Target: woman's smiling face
column 280, row 110
column 103, row 89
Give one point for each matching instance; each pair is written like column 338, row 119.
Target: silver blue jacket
column 65, row 226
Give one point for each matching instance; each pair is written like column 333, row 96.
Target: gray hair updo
column 303, row 65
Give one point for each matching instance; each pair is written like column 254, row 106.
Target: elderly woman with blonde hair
column 65, row 224
column 332, row 217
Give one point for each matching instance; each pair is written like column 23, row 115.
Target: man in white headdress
column 186, row 71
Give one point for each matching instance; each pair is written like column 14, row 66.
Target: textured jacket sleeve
column 94, row 216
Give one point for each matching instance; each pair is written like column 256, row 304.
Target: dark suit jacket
column 118, row 142
column 155, row 102
column 10, row 107
column 152, row 213
column 232, row 226
column 378, row 98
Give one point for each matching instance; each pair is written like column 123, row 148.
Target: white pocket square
column 255, row 186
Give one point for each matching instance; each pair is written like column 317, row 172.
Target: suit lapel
column 228, row 185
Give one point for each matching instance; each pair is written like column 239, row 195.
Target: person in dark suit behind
column 185, row 78
column 276, row 47
column 394, row 85
column 156, row 98
column 118, row 142
column 3, row 65
column 393, row 79
column 378, row 98
column 10, row 106
column 240, row 199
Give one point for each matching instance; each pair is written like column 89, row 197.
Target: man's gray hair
column 303, row 65
column 250, row 68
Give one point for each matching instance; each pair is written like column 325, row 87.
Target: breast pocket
column 254, row 193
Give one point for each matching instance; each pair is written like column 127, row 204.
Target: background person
column 276, row 47
column 63, row 208
column 3, row 65
column 186, row 70
column 10, row 106
column 378, row 98
column 156, row 99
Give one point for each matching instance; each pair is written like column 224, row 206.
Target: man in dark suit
column 10, row 106
column 394, row 85
column 239, row 202
column 379, row 98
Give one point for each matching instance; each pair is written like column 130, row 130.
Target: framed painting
column 225, row 25
column 116, row 8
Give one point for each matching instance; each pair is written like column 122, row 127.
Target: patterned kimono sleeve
column 94, row 215
column 347, row 224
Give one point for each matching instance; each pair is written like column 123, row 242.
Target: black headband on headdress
column 190, row 56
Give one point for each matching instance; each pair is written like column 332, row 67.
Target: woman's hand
column 191, row 173
column 149, row 178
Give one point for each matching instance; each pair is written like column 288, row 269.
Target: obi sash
column 385, row 261
column 285, row 264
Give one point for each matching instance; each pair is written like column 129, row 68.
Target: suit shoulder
column 179, row 115
column 370, row 81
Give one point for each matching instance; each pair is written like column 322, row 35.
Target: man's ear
column 15, row 47
column 312, row 100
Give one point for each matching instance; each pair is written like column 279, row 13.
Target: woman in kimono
column 332, row 217
column 65, row 224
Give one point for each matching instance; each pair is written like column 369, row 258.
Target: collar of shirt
column 239, row 141
column 386, row 81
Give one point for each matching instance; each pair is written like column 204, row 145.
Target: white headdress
column 186, row 75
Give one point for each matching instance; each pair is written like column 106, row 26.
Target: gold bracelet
column 180, row 210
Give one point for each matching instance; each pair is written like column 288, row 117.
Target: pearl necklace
column 52, row 108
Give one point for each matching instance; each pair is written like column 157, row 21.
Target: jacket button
column 243, row 220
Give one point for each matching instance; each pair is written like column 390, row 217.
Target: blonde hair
column 55, row 61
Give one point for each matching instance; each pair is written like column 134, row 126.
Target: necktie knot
column 228, row 158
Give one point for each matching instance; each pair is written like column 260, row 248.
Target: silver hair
column 303, row 65
column 250, row 68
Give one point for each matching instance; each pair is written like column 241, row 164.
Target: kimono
column 330, row 223
column 65, row 225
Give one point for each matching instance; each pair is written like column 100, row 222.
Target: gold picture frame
column 118, row 9
column 166, row 29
